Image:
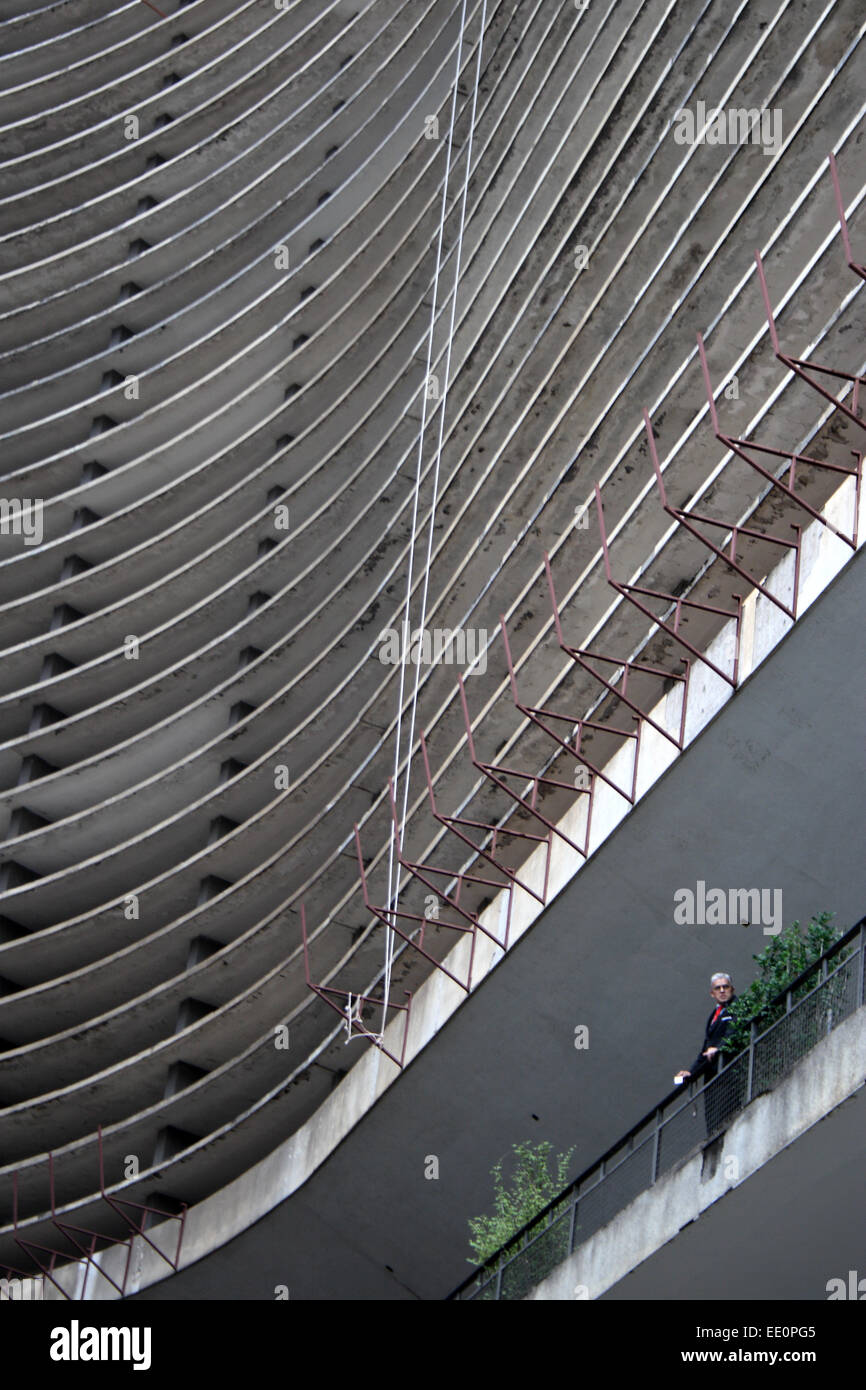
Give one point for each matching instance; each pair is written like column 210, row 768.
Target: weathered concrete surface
column 549, row 367
column 765, row 795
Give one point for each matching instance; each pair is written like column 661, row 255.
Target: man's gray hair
column 720, row 975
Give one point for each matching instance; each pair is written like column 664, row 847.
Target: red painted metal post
column 840, row 208
column 802, row 367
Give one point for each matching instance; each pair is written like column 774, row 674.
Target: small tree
column 532, row 1187
column 787, row 955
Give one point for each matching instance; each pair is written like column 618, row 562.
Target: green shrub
column 787, row 955
column 531, row 1188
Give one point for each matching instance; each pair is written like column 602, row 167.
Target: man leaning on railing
column 720, row 1100
column 719, row 1024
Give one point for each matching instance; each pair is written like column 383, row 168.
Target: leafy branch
column 531, row 1188
column 786, row 957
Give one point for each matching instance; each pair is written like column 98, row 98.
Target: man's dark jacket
column 714, row 1034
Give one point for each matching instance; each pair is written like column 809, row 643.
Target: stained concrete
column 767, row 795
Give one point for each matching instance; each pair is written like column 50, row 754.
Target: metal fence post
column 656, row 1145
column 862, row 991
column 572, row 1226
column 499, row 1283
column 752, row 1032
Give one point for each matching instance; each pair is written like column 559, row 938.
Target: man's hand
column 683, row 1074
column 710, row 1052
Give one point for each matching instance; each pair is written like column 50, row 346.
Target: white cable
column 353, row 1015
column 439, row 443
column 397, row 835
column 394, row 871
column 442, row 417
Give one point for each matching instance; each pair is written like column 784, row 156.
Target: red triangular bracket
column 582, row 656
column 629, row 591
column 536, row 780
column 802, row 367
column 744, row 448
column 729, row 557
column 350, row 1010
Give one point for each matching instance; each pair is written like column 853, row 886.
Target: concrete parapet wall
column 831, row 1072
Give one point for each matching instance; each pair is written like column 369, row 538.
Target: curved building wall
column 235, row 241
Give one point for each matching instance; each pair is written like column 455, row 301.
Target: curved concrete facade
column 221, row 294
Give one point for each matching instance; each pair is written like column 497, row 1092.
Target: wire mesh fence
column 822, row 998
column 543, row 1253
column 810, row 1019
column 620, row 1185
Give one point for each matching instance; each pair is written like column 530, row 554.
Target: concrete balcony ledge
column 813, row 1118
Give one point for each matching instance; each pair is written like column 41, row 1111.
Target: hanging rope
column 398, row 830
